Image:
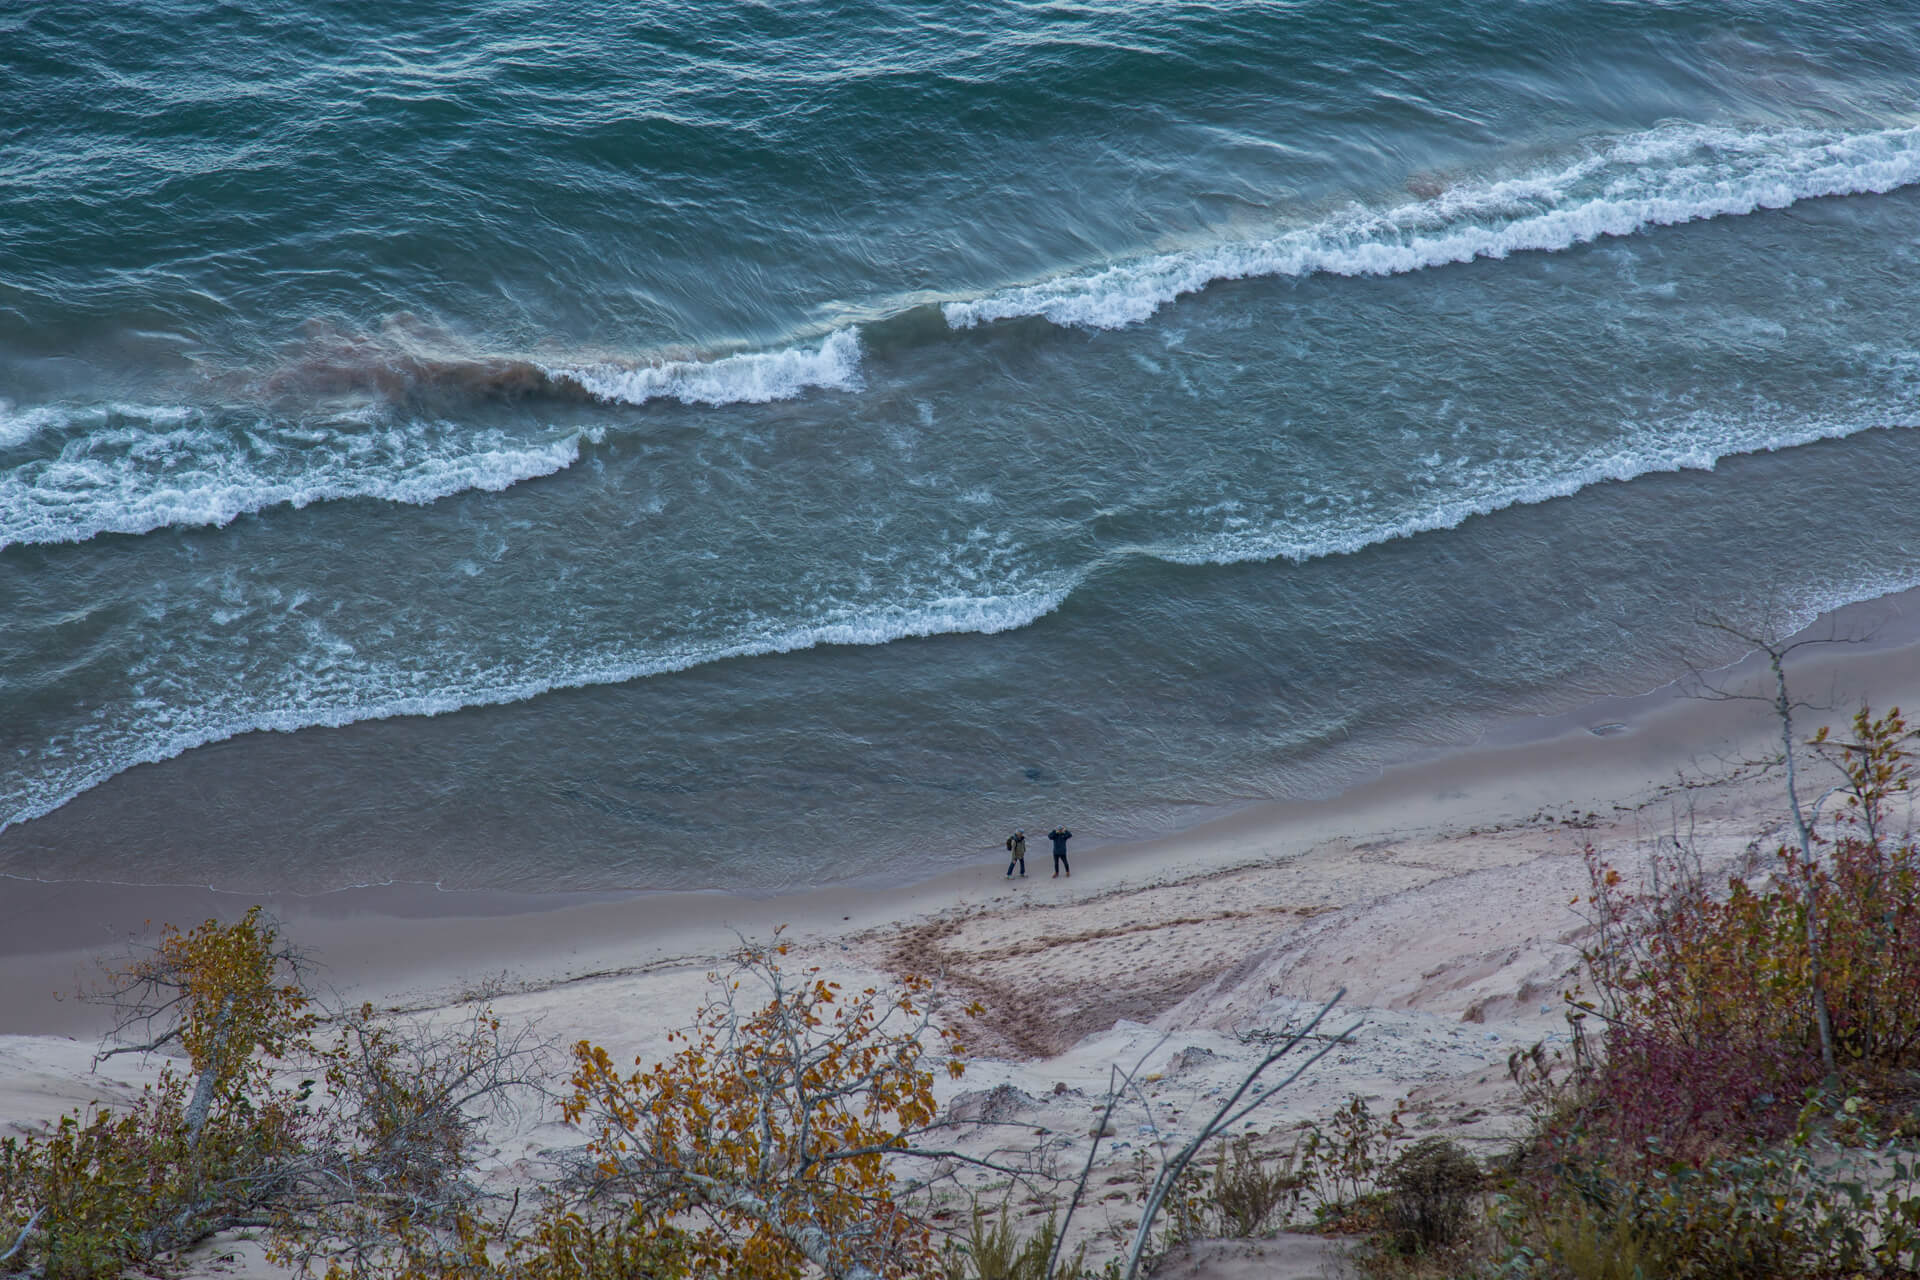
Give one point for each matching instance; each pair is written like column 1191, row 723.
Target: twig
column 25, row 1231
column 1099, row 1131
column 1223, row 1118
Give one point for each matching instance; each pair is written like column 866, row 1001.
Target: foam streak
column 978, row 615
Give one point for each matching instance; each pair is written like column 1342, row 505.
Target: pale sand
column 1438, row 895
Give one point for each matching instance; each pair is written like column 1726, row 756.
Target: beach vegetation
column 106, row 1189
column 995, row 1248
column 1707, row 991
column 773, row 1139
column 1432, row 1188
column 1342, row 1158
column 1251, row 1193
column 1734, row 1094
column 1174, row 1183
column 1741, row 1109
column 338, row 1132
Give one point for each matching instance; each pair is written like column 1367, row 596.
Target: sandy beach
column 1438, row 895
column 535, row 499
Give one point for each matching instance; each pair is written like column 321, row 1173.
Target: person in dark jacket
column 1060, row 836
column 1017, row 847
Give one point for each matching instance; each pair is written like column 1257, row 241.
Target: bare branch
column 21, row 1240
column 1224, row 1117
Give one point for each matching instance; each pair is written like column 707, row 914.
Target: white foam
column 192, row 727
column 164, row 731
column 17, row 426
column 136, row 468
column 1663, row 177
column 754, row 377
column 171, row 468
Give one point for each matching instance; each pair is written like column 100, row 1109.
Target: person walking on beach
column 1017, row 847
column 1060, row 836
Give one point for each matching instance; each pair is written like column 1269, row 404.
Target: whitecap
column 384, row 694
column 1666, row 176
column 170, row 471
column 1699, row 442
column 754, row 377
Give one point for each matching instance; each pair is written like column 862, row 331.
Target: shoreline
column 1610, row 755
column 1440, row 899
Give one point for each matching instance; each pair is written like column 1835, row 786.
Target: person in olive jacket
column 1017, row 849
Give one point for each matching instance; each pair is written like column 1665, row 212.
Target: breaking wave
column 754, row 377
column 134, row 469
column 1663, row 177
column 1699, row 442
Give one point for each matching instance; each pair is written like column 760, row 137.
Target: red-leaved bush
column 1708, row 991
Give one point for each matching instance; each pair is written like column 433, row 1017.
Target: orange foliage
column 770, row 1134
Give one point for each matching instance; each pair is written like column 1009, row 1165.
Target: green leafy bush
column 1341, row 1160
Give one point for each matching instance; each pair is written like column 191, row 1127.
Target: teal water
column 540, row 446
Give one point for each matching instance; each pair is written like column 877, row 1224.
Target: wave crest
column 754, row 377
column 1664, row 177
column 132, row 470
column 1699, row 442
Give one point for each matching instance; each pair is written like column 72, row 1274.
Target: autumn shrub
column 1706, row 1137
column 103, row 1190
column 1707, row 1008
column 1722, row 1001
column 774, row 1142
column 770, row 1141
column 385, row 1180
column 1683, row 1099
column 560, row 1243
column 84, row 1188
column 364, row 1160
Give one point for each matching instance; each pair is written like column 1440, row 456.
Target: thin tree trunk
column 209, row 1081
column 1823, row 1024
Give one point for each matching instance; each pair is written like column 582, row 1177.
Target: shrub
column 1575, row 1240
column 1249, row 1192
column 374, row 1168
column 995, row 1250
column 1341, row 1160
column 1681, row 1149
column 1718, row 999
column 1774, row 1212
column 1431, row 1187
column 102, row 1191
column 770, row 1140
column 84, row 1188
